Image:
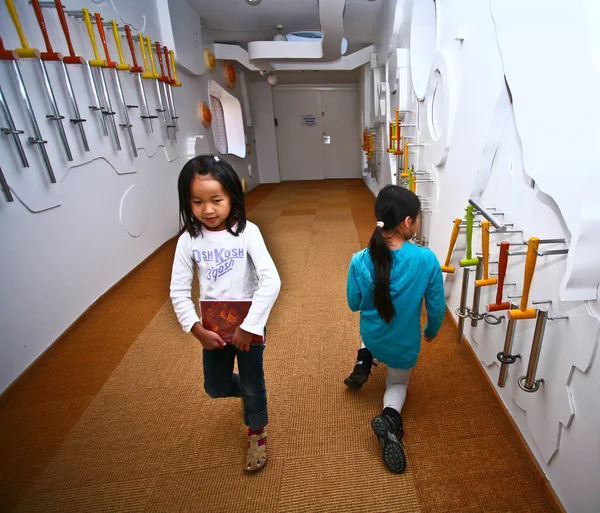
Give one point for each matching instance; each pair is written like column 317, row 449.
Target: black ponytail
column 392, row 206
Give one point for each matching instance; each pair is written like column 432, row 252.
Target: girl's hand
column 209, row 339
column 242, row 339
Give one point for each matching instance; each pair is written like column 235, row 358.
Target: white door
column 318, row 133
column 299, row 134
column 341, row 134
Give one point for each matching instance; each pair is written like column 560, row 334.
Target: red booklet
column 223, row 317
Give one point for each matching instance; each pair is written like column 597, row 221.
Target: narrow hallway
column 114, row 417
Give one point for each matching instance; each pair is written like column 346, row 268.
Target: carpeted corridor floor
column 114, row 417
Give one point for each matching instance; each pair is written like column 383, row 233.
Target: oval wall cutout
column 133, row 213
column 441, row 105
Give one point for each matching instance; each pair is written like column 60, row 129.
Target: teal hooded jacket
column 415, row 274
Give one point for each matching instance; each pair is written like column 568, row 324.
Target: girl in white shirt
column 233, row 265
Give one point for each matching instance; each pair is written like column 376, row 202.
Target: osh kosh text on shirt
column 223, row 258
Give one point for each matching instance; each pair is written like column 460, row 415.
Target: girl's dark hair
column 221, row 171
column 392, row 206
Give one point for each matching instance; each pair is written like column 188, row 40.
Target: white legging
column 396, row 384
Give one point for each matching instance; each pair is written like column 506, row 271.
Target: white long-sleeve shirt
column 229, row 268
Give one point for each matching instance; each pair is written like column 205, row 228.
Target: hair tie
column 380, row 224
column 217, row 159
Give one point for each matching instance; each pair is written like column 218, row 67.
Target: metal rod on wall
column 462, row 311
column 474, row 313
column 528, row 383
column 505, row 357
column 500, row 227
column 11, row 130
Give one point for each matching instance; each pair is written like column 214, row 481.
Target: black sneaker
column 392, row 448
column 362, row 369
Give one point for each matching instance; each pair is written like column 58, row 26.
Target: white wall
column 65, row 244
column 490, row 149
column 261, row 94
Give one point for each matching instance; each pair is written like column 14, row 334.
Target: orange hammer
column 502, row 264
column 523, row 312
column 447, row 268
column 485, row 249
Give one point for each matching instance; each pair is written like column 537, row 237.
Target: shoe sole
column 355, row 382
column 392, row 451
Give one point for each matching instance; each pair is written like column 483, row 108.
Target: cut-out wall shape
column 441, row 103
column 423, row 44
column 531, row 53
column 133, row 212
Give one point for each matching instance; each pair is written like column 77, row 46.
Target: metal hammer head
column 486, row 283
column 518, row 315
column 496, row 307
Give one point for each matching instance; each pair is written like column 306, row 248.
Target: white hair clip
column 380, row 224
column 217, row 159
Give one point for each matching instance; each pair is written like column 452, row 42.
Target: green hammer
column 469, row 261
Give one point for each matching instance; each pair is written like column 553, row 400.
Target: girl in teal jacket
column 387, row 282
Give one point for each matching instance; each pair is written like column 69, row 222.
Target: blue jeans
column 220, row 380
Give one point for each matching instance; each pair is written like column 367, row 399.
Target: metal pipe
column 174, row 115
column 51, row 55
column 124, row 105
column 420, row 230
column 98, row 107
column 113, row 66
column 75, row 59
column 528, row 383
column 505, row 357
column 163, row 81
column 109, row 110
column 487, row 215
column 542, row 241
column 38, row 139
column 99, row 63
column 30, row 53
column 474, row 314
column 12, row 130
column 77, row 120
column 55, row 116
column 552, row 252
column 4, row 185
column 462, row 310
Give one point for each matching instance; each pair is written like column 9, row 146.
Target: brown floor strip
column 115, row 418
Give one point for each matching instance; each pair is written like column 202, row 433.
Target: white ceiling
column 234, row 21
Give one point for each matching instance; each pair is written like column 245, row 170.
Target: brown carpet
column 114, row 417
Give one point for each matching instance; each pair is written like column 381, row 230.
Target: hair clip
column 380, row 224
column 217, row 159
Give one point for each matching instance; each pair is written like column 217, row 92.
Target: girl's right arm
column 181, row 295
column 181, row 283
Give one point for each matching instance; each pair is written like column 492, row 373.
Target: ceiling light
column 254, row 3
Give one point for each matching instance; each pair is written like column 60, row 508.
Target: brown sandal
column 256, row 457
